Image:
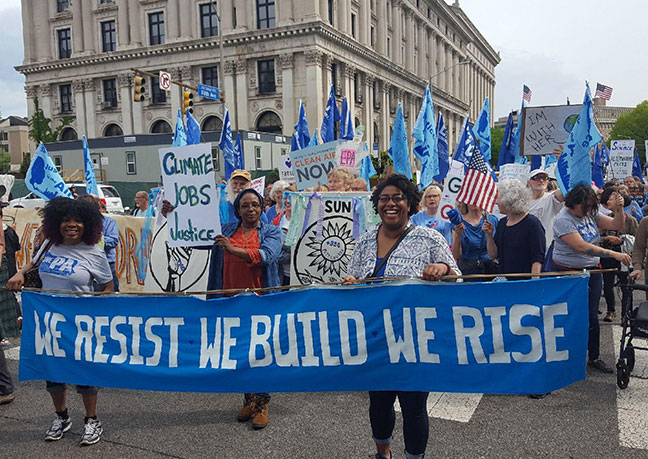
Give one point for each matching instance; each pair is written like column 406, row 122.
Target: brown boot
column 260, row 419
column 247, row 411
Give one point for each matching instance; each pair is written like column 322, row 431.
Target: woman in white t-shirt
column 71, row 261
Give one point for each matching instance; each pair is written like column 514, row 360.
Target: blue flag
column 507, row 155
column 90, row 178
column 605, row 154
column 549, row 160
column 227, row 147
column 313, row 140
column 398, row 148
column 331, row 116
column 238, row 152
column 516, row 138
column 597, row 168
column 442, row 149
column 483, row 131
column 180, row 137
column 636, row 166
column 302, row 134
column 536, row 162
column 574, row 165
column 193, row 130
column 465, row 145
column 43, row 179
column 346, row 126
column 425, row 141
column 367, row 170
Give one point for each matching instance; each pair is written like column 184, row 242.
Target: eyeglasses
column 540, row 178
column 385, row 198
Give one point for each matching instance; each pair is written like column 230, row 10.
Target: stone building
column 79, row 56
column 606, row 117
column 14, row 139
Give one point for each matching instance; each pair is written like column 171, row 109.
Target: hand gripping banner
column 499, row 337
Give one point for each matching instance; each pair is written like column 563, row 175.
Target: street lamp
column 462, row 62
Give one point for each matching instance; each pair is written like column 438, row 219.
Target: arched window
column 212, row 123
column 356, row 122
column 161, row 127
column 113, row 130
column 69, row 134
column 269, row 122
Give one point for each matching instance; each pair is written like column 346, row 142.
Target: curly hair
column 60, row 209
column 584, row 195
column 405, row 185
column 237, row 201
column 513, row 197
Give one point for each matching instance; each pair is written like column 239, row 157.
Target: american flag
column 478, row 188
column 526, row 93
column 602, row 91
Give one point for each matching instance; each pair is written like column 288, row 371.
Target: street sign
column 209, row 92
column 165, row 81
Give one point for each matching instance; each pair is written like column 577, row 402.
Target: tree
column 24, row 166
column 497, row 136
column 633, row 125
column 382, row 161
column 5, row 162
column 40, row 126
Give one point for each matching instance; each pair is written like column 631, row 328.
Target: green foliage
column 497, row 137
column 24, row 166
column 381, row 161
column 5, row 162
column 633, row 125
column 40, row 126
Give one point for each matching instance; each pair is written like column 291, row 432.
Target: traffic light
column 187, row 102
column 138, row 89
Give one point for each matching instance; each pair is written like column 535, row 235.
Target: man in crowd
column 544, row 205
column 141, row 204
column 359, row 184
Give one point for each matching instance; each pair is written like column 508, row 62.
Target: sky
column 552, row 46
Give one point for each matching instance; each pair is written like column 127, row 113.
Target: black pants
column 608, row 283
column 416, row 424
column 6, row 385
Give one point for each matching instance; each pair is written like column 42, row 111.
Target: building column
column 455, row 75
column 171, row 18
column 323, row 10
column 79, row 107
column 431, row 51
column 28, row 35
column 242, row 95
column 136, row 24
column 227, row 20
column 381, row 28
column 90, row 108
column 442, row 64
column 123, row 32
column 185, row 23
column 285, row 12
column 368, row 109
column 89, row 27
column 349, row 87
column 45, row 99
column 397, row 37
column 386, row 117
column 77, row 28
column 288, row 93
column 315, row 91
column 409, row 33
column 423, row 62
column 230, row 94
column 344, row 14
column 365, row 23
column 124, row 84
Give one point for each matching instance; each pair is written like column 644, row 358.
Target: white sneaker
column 92, row 431
column 59, row 426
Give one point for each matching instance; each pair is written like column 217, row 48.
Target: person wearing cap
column 239, row 180
column 544, row 205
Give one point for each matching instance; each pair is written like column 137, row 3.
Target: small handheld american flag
column 478, row 188
column 602, row 91
column 526, row 93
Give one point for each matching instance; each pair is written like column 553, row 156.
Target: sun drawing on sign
column 332, row 253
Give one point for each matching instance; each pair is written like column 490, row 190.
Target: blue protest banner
column 513, row 337
column 208, row 92
column 43, row 179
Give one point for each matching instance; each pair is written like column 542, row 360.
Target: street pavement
column 589, row 419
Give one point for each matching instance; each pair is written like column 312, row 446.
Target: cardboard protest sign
column 350, row 154
column 258, row 185
column 515, row 171
column 621, row 158
column 285, row 169
column 546, row 128
column 451, row 188
column 190, row 186
column 311, row 165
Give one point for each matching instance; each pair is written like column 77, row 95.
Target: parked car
column 108, row 193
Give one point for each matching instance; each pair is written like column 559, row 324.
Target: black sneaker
column 600, row 365
column 538, row 396
column 59, row 427
column 92, row 431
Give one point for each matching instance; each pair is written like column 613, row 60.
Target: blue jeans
column 595, row 287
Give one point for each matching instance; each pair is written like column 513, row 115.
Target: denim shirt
column 269, row 248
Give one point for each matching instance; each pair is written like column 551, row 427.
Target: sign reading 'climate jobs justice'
column 190, row 186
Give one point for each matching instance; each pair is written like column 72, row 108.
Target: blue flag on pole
column 507, row 155
column 193, row 130
column 574, row 165
column 442, row 149
column 483, row 131
column 516, row 137
column 238, row 152
column 597, row 167
column 398, row 148
column 605, row 154
column 43, row 179
column 227, row 147
column 465, row 145
column 313, row 140
column 90, row 178
column 536, row 162
column 180, row 137
column 331, row 116
column 346, row 126
column 425, row 141
column 636, row 166
column 302, row 134
column 367, row 170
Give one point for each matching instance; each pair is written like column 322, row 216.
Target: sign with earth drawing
column 546, row 128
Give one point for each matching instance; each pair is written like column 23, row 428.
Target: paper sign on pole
column 312, row 165
column 515, row 171
column 285, row 169
column 258, row 185
column 190, row 186
column 451, row 188
column 546, row 128
column 621, row 158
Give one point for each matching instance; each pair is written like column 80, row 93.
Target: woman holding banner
column 71, row 261
column 398, row 248
column 246, row 255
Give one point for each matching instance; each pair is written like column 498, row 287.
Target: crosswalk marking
column 632, row 402
column 450, row 406
column 13, row 353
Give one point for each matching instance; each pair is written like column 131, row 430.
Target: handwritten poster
column 546, row 128
column 514, row 171
column 258, row 185
column 621, row 158
column 190, row 186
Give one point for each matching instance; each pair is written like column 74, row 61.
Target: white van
column 113, row 200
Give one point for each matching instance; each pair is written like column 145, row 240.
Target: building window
column 257, row 158
column 66, row 98
column 113, row 130
column 234, row 22
column 330, row 11
column 62, row 5
column 266, row 76
column 334, row 76
column 216, row 157
column 156, row 28
column 58, row 163
column 356, row 88
column 265, row 14
column 158, row 95
column 106, row 1
column 110, row 93
column 64, row 43
column 69, row 134
column 388, row 47
column 372, row 36
column 161, row 127
column 353, row 25
column 108, row 36
column 269, row 122
column 210, row 76
column 208, row 20
column 131, row 165
column 376, row 95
